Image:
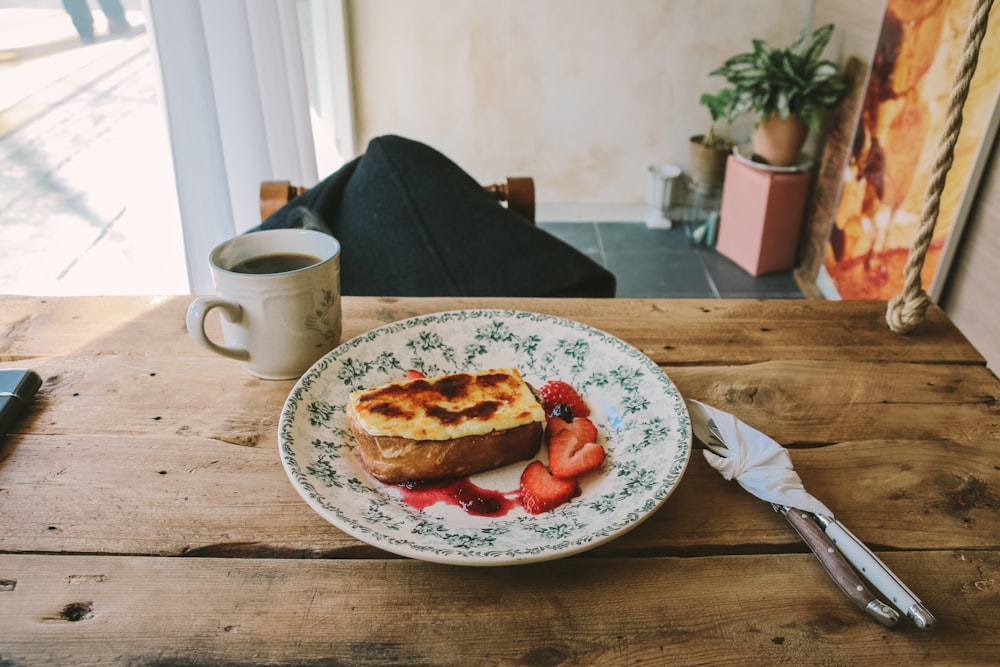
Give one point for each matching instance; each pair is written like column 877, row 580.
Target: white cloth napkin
column 758, row 463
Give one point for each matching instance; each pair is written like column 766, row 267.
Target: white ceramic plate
column 643, row 420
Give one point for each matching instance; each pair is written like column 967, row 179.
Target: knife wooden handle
column 878, row 573
column 838, row 568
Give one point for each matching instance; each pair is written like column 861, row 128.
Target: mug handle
column 197, row 311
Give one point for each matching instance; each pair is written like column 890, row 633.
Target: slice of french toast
column 446, row 426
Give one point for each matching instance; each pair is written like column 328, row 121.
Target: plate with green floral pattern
column 640, row 415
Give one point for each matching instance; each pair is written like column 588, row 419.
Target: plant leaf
column 820, row 38
column 792, row 80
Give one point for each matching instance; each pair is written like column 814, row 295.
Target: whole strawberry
column 556, row 392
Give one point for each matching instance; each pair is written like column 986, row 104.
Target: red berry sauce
column 462, row 493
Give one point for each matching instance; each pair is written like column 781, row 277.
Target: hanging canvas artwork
column 895, row 147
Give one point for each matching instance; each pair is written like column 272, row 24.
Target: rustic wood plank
column 679, row 331
column 796, row 402
column 671, row 332
column 192, row 495
column 726, row 611
column 803, row 402
column 155, row 495
column 140, row 395
column 33, row 327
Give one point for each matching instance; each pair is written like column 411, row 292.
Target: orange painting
column 896, row 145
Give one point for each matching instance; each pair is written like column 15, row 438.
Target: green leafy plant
column 718, row 106
column 793, row 80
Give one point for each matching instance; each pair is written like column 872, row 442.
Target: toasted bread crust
column 395, row 460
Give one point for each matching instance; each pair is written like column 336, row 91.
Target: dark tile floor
column 666, row 263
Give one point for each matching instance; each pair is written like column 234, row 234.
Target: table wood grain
column 145, row 518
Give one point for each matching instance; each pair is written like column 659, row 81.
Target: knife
column 825, row 551
column 763, row 468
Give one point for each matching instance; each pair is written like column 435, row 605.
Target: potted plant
column 786, row 89
column 709, row 151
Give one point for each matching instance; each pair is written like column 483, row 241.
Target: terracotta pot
column 778, row 141
column 708, row 165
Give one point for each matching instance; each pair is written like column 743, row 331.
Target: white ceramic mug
column 278, row 322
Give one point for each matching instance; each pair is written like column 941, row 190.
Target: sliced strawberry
column 541, row 492
column 414, row 374
column 573, row 447
column 582, row 427
column 555, row 392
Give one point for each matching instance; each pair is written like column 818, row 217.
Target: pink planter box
column 761, row 217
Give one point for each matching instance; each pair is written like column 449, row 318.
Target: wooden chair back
column 517, row 192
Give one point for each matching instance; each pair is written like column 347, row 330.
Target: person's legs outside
column 115, row 14
column 79, row 13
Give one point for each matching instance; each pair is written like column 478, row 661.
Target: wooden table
column 145, row 518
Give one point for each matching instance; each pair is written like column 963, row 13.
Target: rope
column 906, row 310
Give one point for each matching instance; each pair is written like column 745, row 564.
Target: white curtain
column 234, row 91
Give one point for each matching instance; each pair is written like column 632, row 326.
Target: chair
column 518, row 192
column 411, row 222
column 275, row 194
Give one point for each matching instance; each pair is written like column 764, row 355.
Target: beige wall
column 582, row 95
column 972, row 293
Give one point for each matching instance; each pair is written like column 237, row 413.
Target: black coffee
column 281, row 262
